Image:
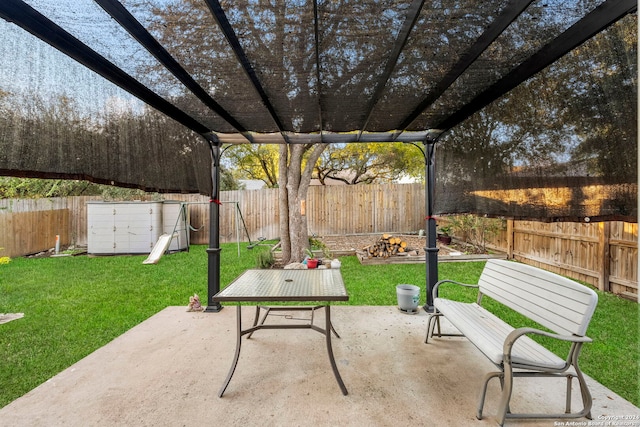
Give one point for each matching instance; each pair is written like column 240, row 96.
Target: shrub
column 476, row 229
column 265, row 259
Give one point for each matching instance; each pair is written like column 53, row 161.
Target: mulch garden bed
column 415, row 253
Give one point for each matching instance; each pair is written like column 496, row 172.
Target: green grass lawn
column 75, row 305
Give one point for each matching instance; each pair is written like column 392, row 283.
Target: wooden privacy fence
column 331, row 210
column 30, row 226
column 602, row 254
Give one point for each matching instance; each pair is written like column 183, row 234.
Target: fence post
column 510, row 238
column 604, row 256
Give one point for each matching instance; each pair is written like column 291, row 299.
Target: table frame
column 278, row 293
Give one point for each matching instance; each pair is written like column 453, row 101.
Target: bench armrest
column 440, row 282
column 517, row 333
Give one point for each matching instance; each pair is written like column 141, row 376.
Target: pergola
column 271, row 72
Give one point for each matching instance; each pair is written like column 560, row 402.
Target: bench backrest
column 558, row 303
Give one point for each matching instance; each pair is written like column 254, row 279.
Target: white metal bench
column 559, row 304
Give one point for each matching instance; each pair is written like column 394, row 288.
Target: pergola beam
column 316, row 37
column 403, row 35
column 497, row 27
column 29, row 19
column 118, row 12
column 594, row 22
column 232, row 38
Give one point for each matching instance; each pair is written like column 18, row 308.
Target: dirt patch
column 64, row 251
column 356, row 242
column 416, row 244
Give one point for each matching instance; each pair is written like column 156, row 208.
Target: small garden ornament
column 194, row 303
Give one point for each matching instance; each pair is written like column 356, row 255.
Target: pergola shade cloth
column 532, row 103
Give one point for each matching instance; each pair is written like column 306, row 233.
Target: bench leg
column 431, row 325
column 504, row 411
column 587, row 400
column 434, row 320
column 483, row 395
column 567, row 407
column 507, row 388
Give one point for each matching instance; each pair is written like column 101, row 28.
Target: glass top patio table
column 317, row 285
column 285, row 285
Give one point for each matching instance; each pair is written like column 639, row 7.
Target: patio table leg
column 257, row 316
column 328, row 328
column 237, row 355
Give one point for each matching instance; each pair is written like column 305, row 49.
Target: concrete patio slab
column 167, row 372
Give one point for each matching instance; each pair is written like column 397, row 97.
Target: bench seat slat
column 488, row 333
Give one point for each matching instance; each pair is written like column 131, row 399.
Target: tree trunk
column 294, row 177
column 283, row 204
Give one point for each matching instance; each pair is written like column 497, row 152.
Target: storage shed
column 135, row 227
